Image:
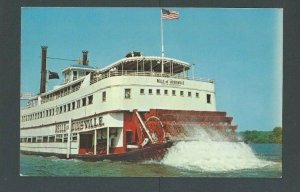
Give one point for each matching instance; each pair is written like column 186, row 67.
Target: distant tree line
column 274, row 136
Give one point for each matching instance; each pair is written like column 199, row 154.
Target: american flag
column 168, row 14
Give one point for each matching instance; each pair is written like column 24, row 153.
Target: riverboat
column 132, row 109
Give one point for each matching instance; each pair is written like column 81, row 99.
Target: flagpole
column 162, row 41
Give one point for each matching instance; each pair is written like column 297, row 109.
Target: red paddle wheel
column 156, row 129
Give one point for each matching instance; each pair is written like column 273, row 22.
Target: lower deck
column 121, row 132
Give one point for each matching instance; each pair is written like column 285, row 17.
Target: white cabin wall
column 59, row 148
column 40, row 131
column 115, row 100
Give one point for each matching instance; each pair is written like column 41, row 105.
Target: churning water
column 209, row 150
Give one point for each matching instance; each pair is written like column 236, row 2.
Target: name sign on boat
column 170, row 82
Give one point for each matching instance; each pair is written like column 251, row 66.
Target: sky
column 241, row 49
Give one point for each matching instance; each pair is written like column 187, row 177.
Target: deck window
column 142, row 91
column 150, row 91
column 166, row 92
column 45, row 139
column 181, row 93
column 51, row 139
column 73, row 105
column 83, row 101
column 74, row 75
column 78, row 103
column 74, row 138
column 90, row 99
column 127, row 93
column 157, row 91
column 197, row 95
column 208, row 98
column 104, row 96
column 65, row 108
column 173, row 92
column 189, row 94
column 69, row 106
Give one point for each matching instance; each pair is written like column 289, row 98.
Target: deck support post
column 69, row 139
column 107, row 141
column 95, row 142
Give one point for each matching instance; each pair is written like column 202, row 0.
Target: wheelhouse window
column 127, row 93
column 166, row 92
column 74, row 75
column 173, row 92
column 150, row 91
column 104, row 96
column 208, row 98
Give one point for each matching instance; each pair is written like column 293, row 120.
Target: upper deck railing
column 97, row 77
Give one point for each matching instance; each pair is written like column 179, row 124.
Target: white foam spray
column 209, row 150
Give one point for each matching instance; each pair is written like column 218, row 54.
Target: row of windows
column 89, row 100
column 166, row 92
column 49, row 139
column 61, row 93
column 60, row 109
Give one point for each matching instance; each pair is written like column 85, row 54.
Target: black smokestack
column 43, row 70
column 84, row 57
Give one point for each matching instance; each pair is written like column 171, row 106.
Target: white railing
column 100, row 76
column 25, row 96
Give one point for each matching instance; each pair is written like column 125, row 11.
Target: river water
column 184, row 159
